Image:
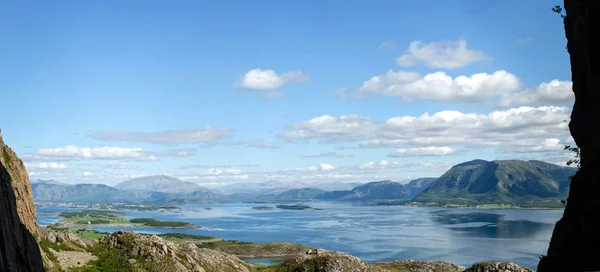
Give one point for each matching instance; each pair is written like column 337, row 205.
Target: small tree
column 575, row 160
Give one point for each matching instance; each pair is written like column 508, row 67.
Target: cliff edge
column 19, row 250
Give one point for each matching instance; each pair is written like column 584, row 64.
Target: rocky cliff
column 19, row 250
column 576, row 236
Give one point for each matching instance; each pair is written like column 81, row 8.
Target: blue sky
column 218, row 92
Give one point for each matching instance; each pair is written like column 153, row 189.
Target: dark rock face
column 19, row 250
column 575, row 240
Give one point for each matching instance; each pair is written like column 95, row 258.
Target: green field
column 89, row 234
column 181, row 237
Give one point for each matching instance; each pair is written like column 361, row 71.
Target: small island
column 112, row 218
column 293, row 207
column 285, row 207
column 264, row 208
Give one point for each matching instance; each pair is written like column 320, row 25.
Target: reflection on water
column 487, row 225
column 374, row 233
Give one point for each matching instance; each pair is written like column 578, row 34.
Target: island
column 264, row 208
column 112, row 218
column 293, row 207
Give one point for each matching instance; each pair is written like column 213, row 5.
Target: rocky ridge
column 168, row 256
column 18, row 225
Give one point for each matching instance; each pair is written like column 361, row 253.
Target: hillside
column 380, row 190
column 160, row 183
column 92, row 193
column 498, row 182
column 299, row 194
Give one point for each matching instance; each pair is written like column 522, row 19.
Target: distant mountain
column 198, row 196
column 274, row 187
column 91, row 193
column 161, row 183
column 380, row 190
column 500, row 181
column 49, row 181
column 417, row 186
column 255, row 188
column 299, row 194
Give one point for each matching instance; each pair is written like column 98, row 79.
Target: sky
column 219, row 92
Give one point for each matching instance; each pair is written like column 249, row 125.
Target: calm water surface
column 372, row 233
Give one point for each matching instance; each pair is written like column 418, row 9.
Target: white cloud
column 266, row 80
column 440, row 129
column 383, row 164
column 440, row 86
column 423, row 151
column 72, row 152
column 87, row 174
column 387, row 45
column 326, row 167
column 167, row 137
column 332, row 129
column 444, row 54
column 527, row 146
column 378, row 83
column 46, row 165
column 552, row 92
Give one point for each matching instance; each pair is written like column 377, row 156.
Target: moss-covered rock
column 497, row 267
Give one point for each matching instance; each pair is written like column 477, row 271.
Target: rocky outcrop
column 66, row 237
column 497, row 267
column 575, row 239
column 19, row 250
column 326, row 261
column 269, row 250
column 421, row 266
column 150, row 251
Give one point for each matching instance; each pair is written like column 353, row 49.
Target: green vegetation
column 94, row 222
column 90, row 234
column 217, row 244
column 7, row 157
column 94, row 217
column 143, row 207
column 57, row 227
column 46, row 245
column 178, row 237
column 269, row 250
column 151, row 222
column 474, row 203
column 315, row 264
column 119, row 260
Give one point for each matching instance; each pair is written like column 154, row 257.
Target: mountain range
column 473, row 182
column 500, row 181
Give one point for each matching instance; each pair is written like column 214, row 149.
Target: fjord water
column 372, row 233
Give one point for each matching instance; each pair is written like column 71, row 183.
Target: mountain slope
column 380, row 190
column 500, row 181
column 299, row 194
column 160, row 183
column 92, row 193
